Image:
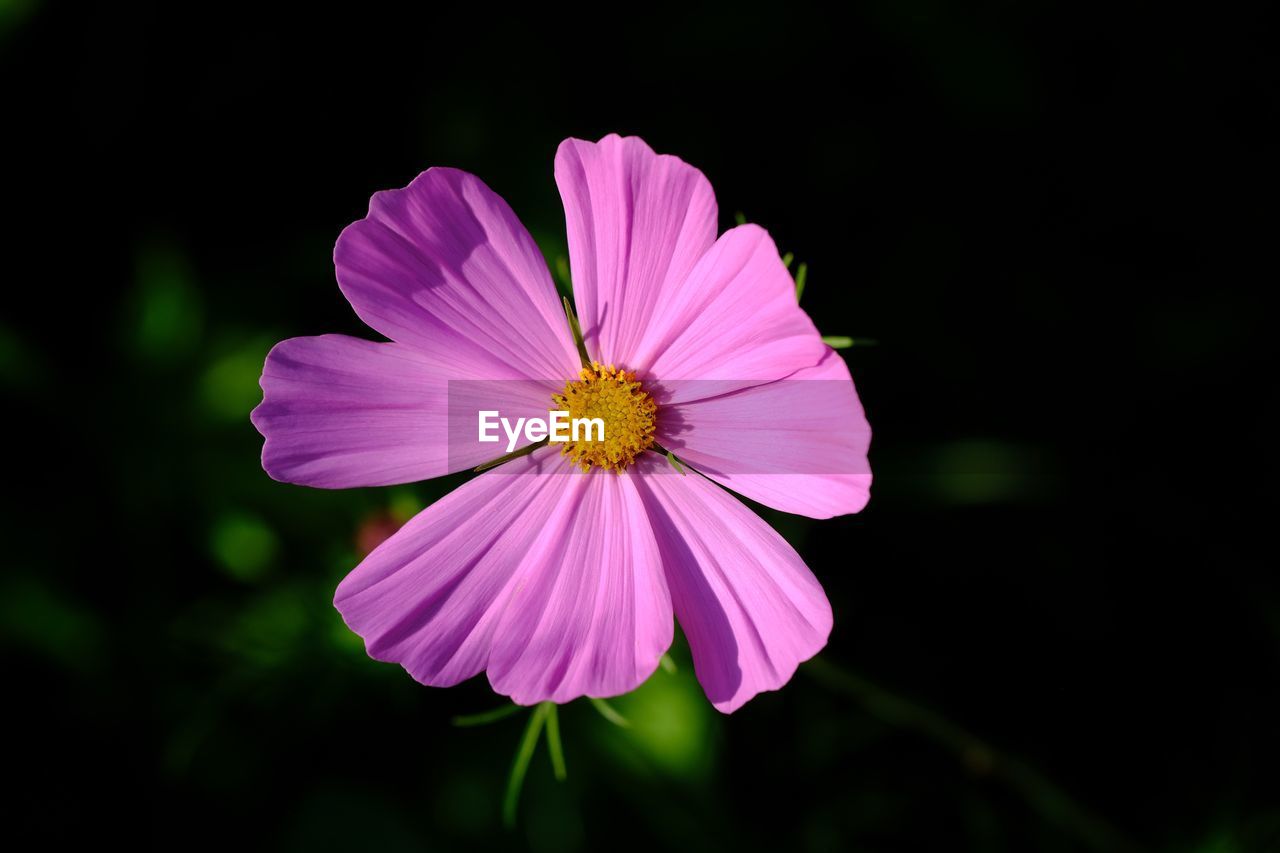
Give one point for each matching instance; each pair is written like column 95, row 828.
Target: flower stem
column 1045, row 797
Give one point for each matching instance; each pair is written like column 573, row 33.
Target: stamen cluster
column 629, row 414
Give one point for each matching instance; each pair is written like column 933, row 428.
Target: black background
column 1047, row 217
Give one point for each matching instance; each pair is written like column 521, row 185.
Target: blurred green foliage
column 166, row 313
column 1055, row 557
column 243, row 545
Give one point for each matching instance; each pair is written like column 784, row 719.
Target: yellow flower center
column 615, row 397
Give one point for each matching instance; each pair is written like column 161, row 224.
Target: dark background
column 1044, row 215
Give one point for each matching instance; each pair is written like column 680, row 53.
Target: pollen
column 615, row 397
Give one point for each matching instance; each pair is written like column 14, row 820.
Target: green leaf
column 740, row 218
column 802, row 272
column 609, row 713
column 668, row 665
column 507, row 457
column 842, row 342
column 553, row 742
column 787, row 259
column 486, row 717
column 520, row 766
column 576, row 331
column 675, row 463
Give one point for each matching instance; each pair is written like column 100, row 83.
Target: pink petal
column 546, row 576
column 444, row 266
column 734, row 322
column 750, row 608
column 593, row 615
column 340, row 412
column 798, row 444
column 637, row 223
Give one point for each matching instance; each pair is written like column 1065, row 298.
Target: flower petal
column 443, row 265
column 339, row 412
column 637, row 223
column 750, row 608
column 734, row 322
column 798, row 444
column 544, row 575
column 593, row 615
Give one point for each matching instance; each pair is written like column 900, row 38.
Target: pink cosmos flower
column 559, row 572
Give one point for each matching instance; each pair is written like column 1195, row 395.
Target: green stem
column 1045, row 797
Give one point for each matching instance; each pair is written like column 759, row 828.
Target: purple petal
column 593, row 615
column 637, row 223
column 750, row 608
column 735, row 319
column 798, row 445
column 547, row 577
column 444, row 266
column 340, row 412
